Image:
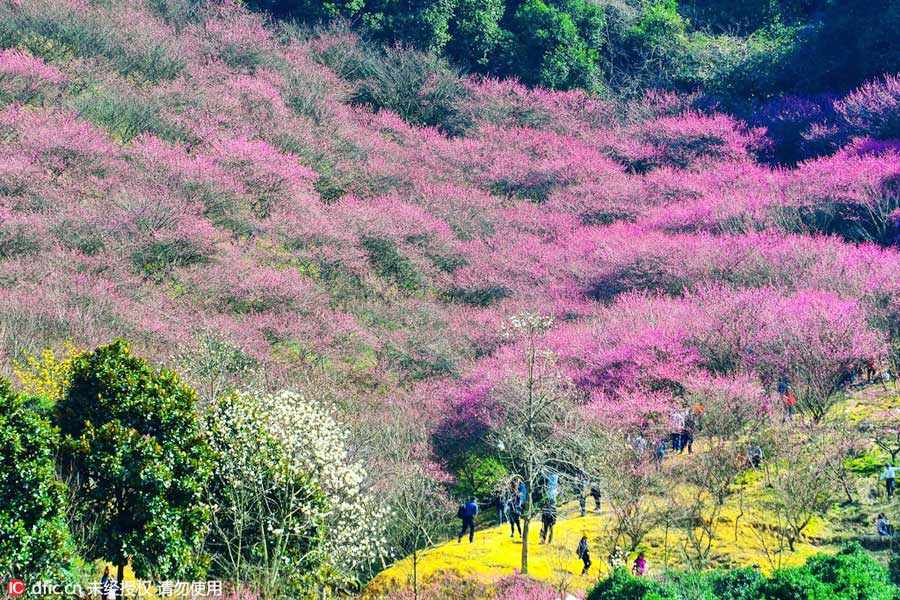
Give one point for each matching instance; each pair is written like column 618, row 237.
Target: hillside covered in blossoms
column 256, row 204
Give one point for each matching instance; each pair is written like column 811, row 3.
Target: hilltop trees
column 132, row 442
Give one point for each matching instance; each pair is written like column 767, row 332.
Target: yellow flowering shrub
column 46, row 375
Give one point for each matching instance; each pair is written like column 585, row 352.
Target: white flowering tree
column 289, row 510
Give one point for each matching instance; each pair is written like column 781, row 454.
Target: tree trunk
column 525, row 544
column 415, row 558
column 120, row 577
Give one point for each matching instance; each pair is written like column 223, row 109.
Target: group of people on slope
column 617, row 558
column 873, row 372
column 509, row 508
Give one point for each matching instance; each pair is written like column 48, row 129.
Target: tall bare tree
column 539, row 429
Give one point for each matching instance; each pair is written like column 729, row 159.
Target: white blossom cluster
column 301, row 437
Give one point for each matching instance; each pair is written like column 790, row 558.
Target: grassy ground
column 743, row 529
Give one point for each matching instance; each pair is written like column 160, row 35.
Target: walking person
column 499, row 504
column 513, row 513
column 677, row 421
column 595, row 494
column 523, row 492
column 660, row 454
column 584, row 553
column 582, row 498
column 687, row 434
column 548, row 520
column 639, row 567
column 789, row 403
column 888, row 477
column 467, row 513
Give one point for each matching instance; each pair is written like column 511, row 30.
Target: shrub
column 158, row 256
column 125, row 115
column 874, row 108
column 852, row 573
column 34, row 539
column 391, row 264
column 790, row 584
column 57, row 30
column 485, row 296
column 419, row 87
column 17, row 239
column 623, row 586
column 82, row 237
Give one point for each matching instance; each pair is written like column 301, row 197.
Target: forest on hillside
column 737, row 51
column 282, row 284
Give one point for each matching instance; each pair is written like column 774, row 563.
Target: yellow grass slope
column 494, row 554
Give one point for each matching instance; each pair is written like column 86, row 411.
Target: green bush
column 81, row 237
column 390, row 264
column 156, row 257
column 125, row 116
column 17, row 240
column 420, row 87
column 479, row 296
column 851, row 574
column 623, row 586
column 34, row 539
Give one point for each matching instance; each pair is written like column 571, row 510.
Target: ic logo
column 15, row 587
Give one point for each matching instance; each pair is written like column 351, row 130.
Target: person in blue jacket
column 467, row 513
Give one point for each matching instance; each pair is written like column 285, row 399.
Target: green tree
column 310, row 10
column 132, row 442
column 658, row 43
column 475, row 33
column 423, row 25
column 33, row 533
column 549, row 50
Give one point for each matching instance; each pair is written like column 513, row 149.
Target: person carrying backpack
column 888, row 477
column 584, row 553
column 513, row 513
column 467, row 513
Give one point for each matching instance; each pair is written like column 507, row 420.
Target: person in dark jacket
column 513, row 512
column 499, row 505
column 584, row 553
column 105, row 584
column 578, row 488
column 467, row 514
column 595, row 494
column 548, row 520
